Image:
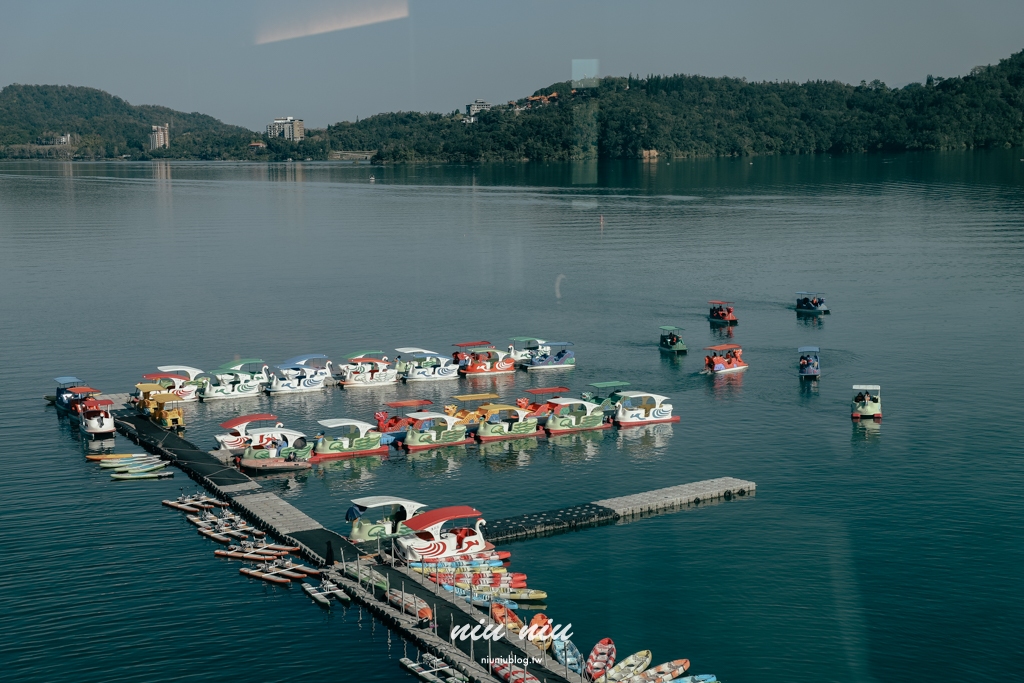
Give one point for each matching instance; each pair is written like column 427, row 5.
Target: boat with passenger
column 70, row 402
column 393, row 512
column 433, row 430
column 430, row 540
column 866, row 404
column 528, row 348
column 64, row 384
column 310, row 372
column 809, row 367
column 481, row 358
column 724, row 359
column 367, row 369
column 500, row 421
column 539, row 408
column 354, row 438
column 244, row 378
column 721, row 314
column 637, row 408
column 96, row 420
column 240, row 436
column 559, row 357
column 424, row 366
column 574, row 415
column 670, row 340
column 811, row 303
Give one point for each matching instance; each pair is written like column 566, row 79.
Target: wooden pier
column 271, row 513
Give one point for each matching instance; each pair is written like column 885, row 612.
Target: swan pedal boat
column 393, row 427
column 310, row 372
column 395, row 511
column 730, row 360
column 185, row 386
column 233, row 380
column 562, row 360
column 498, row 421
column 574, row 415
column 357, row 438
column 366, row 371
column 722, row 314
column 429, row 541
column 425, row 366
column 433, row 430
column 636, row 408
column 481, row 358
column 530, row 347
column 239, row 436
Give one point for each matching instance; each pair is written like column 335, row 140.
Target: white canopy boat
column 238, row 379
column 429, row 541
column 637, row 408
column 865, row 404
column 310, row 372
column 365, row 370
column 394, row 510
column 425, row 366
column 356, row 438
column 239, row 436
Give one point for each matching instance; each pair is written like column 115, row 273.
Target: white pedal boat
column 233, row 380
column 240, row 436
column 866, row 405
column 301, row 374
column 637, row 408
column 425, row 366
column 367, row 371
column 180, row 385
column 356, row 438
column 479, row 358
column 97, row 422
column 393, row 513
column 529, row 347
column 428, row 541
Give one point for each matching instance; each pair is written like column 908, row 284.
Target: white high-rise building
column 160, row 137
column 287, row 127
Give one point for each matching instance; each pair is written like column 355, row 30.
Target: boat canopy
column 808, row 349
column 431, row 355
column 723, row 347
column 670, row 328
column 187, row 369
column 866, row 387
column 363, row 427
column 440, row 516
column 381, row 501
column 294, row 366
column 559, row 343
column 302, row 360
column 426, row 415
column 495, row 407
column 810, row 293
column 145, row 387
column 481, row 349
column 361, row 359
column 413, row 349
column 410, row 403
column 475, row 397
column 528, row 342
column 165, row 375
column 641, row 394
column 97, row 402
column 720, row 303
column 238, row 364
column 66, row 380
column 466, row 345
column 87, row 390
column 360, row 354
column 246, row 419
column 608, row 385
column 165, row 398
column 547, row 390
column 571, row 402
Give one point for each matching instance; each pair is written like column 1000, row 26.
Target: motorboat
column 499, row 421
column 866, row 404
column 670, row 341
column 481, row 358
column 431, row 430
column 365, row 369
column 165, row 414
column 430, row 540
column 393, row 427
column 468, row 416
column 528, row 348
column 538, row 407
column 70, row 402
column 809, row 367
column 394, row 511
column 613, row 389
column 311, row 372
column 96, row 420
column 355, row 437
column 721, row 314
column 574, row 415
column 563, row 359
column 724, row 359
column 63, row 394
column 243, row 378
column 425, row 366
column 637, row 408
column 186, row 389
column 811, row 303
column 240, row 435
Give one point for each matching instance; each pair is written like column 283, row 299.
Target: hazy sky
column 233, row 59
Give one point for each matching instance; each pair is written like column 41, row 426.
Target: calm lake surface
column 870, row 553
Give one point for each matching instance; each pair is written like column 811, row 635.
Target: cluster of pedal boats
column 261, row 443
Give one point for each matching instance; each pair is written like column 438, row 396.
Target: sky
column 324, row 61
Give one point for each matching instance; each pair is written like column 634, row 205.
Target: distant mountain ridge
column 621, row 118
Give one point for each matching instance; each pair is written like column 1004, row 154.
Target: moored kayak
column 629, row 667
column 510, row 673
column 601, row 658
column 663, row 673
column 114, row 456
column 123, row 476
column 502, row 592
column 150, row 467
column 568, row 655
column 434, row 570
column 128, row 462
column 458, row 563
column 506, row 617
column 492, row 555
column 409, row 603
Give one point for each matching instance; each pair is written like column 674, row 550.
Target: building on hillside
column 257, row 145
column 50, row 139
column 287, row 127
column 160, row 137
column 476, row 107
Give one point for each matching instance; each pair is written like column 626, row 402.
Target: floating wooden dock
column 288, row 524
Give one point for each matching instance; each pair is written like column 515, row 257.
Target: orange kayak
column 506, row 617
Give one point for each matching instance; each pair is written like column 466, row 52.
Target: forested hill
column 621, row 118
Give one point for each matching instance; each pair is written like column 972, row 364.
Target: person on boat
column 400, row 516
column 867, row 397
column 353, row 513
column 859, row 398
column 710, row 364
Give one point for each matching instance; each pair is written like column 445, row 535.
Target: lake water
column 870, row 553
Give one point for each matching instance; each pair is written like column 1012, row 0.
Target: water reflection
column 866, row 431
column 576, row 447
column 726, row 386
column 808, row 388
column 719, row 332
column 645, row 442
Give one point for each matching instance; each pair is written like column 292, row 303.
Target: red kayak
column 512, row 673
column 492, row 555
column 492, row 582
column 601, row 658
